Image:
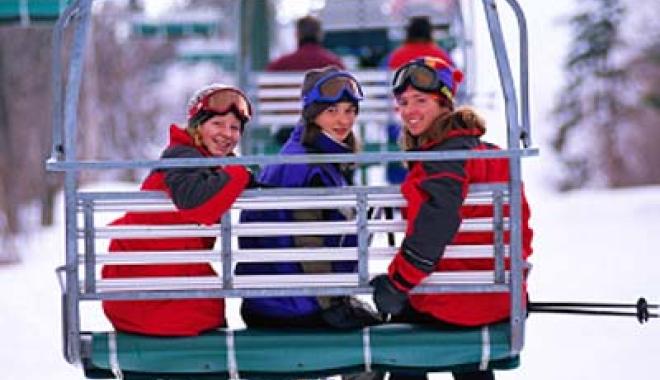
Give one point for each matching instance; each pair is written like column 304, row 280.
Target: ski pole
column 641, row 308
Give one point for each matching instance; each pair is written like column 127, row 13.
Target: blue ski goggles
column 332, row 88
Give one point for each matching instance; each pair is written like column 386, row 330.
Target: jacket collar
column 179, row 136
column 475, row 132
column 322, row 144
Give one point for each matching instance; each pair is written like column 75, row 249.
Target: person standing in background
column 310, row 53
column 419, row 43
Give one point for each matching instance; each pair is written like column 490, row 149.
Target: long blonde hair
column 461, row 118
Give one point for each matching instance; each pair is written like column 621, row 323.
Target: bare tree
column 116, row 112
column 119, row 112
column 25, row 98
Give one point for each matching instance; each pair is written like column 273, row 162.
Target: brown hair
column 461, row 118
column 195, row 135
column 308, row 30
column 195, row 122
column 419, row 29
column 311, row 132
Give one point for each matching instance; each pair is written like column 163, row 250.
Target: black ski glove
column 350, row 313
column 388, row 299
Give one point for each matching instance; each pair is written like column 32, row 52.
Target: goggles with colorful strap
column 424, row 78
column 333, row 87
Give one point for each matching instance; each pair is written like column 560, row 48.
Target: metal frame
column 64, row 159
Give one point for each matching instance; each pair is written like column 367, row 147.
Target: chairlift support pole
column 525, row 133
column 252, row 46
column 514, row 135
column 80, row 12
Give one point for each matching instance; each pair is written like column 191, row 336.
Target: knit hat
column 312, row 77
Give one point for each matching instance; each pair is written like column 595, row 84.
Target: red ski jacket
column 201, row 196
column 435, row 191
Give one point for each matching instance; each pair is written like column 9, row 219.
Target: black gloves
column 350, row 313
column 388, row 299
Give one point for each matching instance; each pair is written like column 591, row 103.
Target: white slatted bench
column 94, row 235
column 277, row 104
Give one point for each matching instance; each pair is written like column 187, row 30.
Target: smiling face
column 418, row 110
column 337, row 120
column 220, row 134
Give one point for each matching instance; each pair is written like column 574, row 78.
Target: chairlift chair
column 254, row 353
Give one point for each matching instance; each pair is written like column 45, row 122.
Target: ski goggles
column 333, row 87
column 423, row 78
column 223, row 101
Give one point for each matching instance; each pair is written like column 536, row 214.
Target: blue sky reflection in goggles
column 332, row 88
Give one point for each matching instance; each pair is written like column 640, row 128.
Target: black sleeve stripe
column 402, row 281
column 422, row 263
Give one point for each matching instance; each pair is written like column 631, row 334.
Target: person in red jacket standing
column 435, row 191
column 216, row 118
column 418, row 43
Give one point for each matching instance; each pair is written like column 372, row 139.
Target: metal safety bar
column 299, row 282
column 157, row 201
column 267, row 229
column 519, row 130
column 275, row 255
